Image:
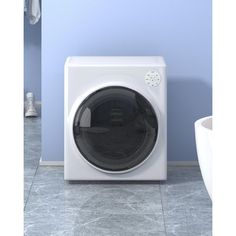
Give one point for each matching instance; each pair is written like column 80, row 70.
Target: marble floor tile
column 186, row 204
column 58, row 207
column 32, row 152
column 179, row 206
column 28, row 180
column 199, row 222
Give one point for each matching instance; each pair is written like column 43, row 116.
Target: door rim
column 83, row 97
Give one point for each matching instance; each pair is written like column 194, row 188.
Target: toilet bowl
column 203, row 137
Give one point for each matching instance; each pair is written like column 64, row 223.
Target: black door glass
column 115, row 128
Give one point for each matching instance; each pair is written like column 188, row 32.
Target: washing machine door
column 115, row 129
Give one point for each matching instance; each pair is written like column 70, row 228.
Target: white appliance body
column 85, row 76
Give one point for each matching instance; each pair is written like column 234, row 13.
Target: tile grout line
column 31, row 185
column 162, row 208
column 34, row 125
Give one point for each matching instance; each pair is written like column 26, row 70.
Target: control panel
column 152, row 78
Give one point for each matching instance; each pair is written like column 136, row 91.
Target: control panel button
column 152, row 78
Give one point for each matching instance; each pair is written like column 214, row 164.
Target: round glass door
column 115, row 129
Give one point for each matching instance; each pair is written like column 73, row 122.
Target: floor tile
column 178, row 207
column 93, row 209
column 32, row 152
column 186, row 203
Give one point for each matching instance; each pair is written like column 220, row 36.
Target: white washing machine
column 115, row 119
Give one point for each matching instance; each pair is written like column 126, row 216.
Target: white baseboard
column 50, row 163
column 183, row 163
column 170, row 163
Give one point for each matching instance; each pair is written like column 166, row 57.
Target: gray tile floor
column 179, row 206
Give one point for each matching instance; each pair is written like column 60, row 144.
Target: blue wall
column 32, row 58
column 178, row 30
